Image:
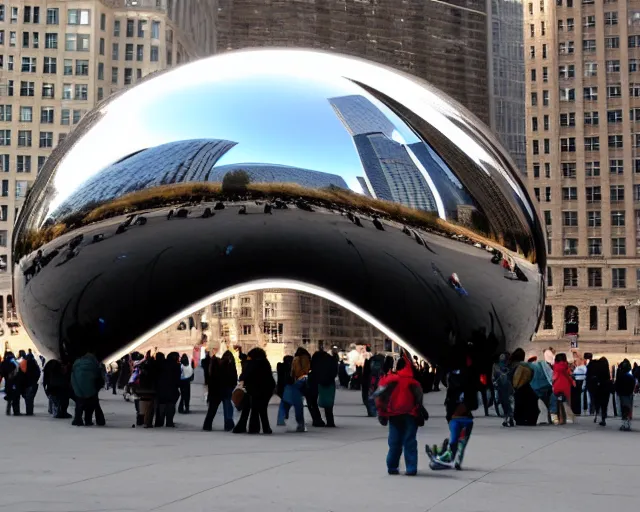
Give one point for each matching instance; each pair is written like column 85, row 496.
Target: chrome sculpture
column 280, row 168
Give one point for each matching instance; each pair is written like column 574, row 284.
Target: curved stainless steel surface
column 390, row 187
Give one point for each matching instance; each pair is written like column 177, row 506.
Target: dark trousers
column 165, row 412
column 29, row 395
column 85, row 409
column 314, row 410
column 227, row 409
column 185, row 396
column 259, row 415
column 113, row 382
column 402, row 437
column 59, row 404
column 12, row 397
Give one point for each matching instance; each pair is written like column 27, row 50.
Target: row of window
column 79, row 17
column 594, row 247
column 594, row 277
column 25, row 138
column 594, row 218
column 21, row 188
column 591, row 143
column 588, row 93
column 588, row 46
column 593, row 194
column 23, row 162
column 47, row 114
column 572, row 320
column 592, row 169
column 567, row 3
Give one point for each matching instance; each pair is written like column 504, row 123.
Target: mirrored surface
column 314, row 169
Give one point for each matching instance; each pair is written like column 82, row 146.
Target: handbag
column 237, row 397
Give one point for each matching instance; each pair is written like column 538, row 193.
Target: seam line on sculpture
column 502, row 467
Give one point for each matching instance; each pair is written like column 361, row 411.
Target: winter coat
column 86, row 377
column 562, row 379
column 301, row 366
column 406, row 394
column 32, row 373
column 55, row 379
column 167, row 381
column 542, row 375
column 625, row 381
column 324, row 368
column 284, row 375
column 258, row 379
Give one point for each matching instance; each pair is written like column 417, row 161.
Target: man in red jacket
column 400, row 401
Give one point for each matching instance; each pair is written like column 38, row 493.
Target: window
column 115, row 51
column 570, row 277
column 36, row 39
column 546, row 144
column 64, row 116
column 68, row 67
column 613, row 66
column 589, row 21
column 41, row 160
column 636, row 194
column 633, row 65
column 23, row 163
column 590, row 93
column 635, row 114
column 614, row 116
column 81, row 92
column 614, row 91
column 52, row 16
column 615, row 141
column 534, row 99
column 50, row 65
column 21, row 188
column 155, row 30
column 46, row 139
column 70, row 42
column 28, row 65
column 611, row 18
column 545, row 98
column 26, row 114
column 544, row 51
column 14, row 15
column 12, row 39
column 82, row 67
column 568, row 119
column 533, row 75
column 536, row 170
column 560, row 25
column 27, row 88
column 536, row 192
column 589, row 45
column 114, row 75
column 593, row 194
column 611, row 42
column 594, row 278
column 545, row 71
column 24, row 138
column 617, row 218
column 103, row 22
column 567, row 72
column 569, row 193
column 5, row 137
column 101, row 46
column 570, row 246
column 634, row 90
column 48, row 91
column 622, row 318
column 4, row 167
column 547, row 194
column 591, row 118
column 25, row 39
column 570, row 24
column 140, row 52
column 634, row 41
column 570, row 219
column 116, row 28
column 636, row 165
column 46, row 115
column 594, row 219
column 128, row 76
column 83, row 43
column 141, row 25
column 568, row 144
column 567, row 94
column 616, row 193
column 590, row 69
column 128, row 55
column 130, row 26
column 51, row 41
column 618, row 247
column 100, row 70
column 78, row 17
column 536, row 147
column 594, row 246
column 566, row 48
column 77, row 114
column 568, row 169
column 5, row 113
column 545, row 120
column 619, row 277
column 548, row 318
column 534, row 124
column 67, row 92
column 616, row 166
column 592, row 143
column 547, row 218
column 100, row 93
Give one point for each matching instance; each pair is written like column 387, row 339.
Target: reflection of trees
column 236, row 182
column 193, row 193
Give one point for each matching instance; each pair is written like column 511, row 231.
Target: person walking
column 221, row 383
column 86, row 381
column 401, row 408
column 503, row 383
column 186, row 378
column 562, row 384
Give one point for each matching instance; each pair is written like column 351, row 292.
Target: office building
column 58, row 59
column 583, row 132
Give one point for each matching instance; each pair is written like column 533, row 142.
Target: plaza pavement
column 48, row 465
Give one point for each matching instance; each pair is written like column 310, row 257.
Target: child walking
column 562, row 384
column 625, row 386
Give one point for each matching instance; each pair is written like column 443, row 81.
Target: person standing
column 503, row 383
column 167, row 388
column 260, row 386
column 186, row 377
column 625, row 386
column 401, row 410
column 324, row 368
column 579, row 375
column 221, row 383
column 31, row 379
column 86, row 381
column 10, row 370
column 562, row 384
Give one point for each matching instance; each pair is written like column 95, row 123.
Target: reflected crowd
column 524, row 391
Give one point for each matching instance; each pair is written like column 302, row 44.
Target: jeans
column 456, row 426
column 402, row 436
column 12, row 396
column 59, row 405
column 227, row 410
column 185, row 396
column 548, row 399
column 292, row 396
column 29, row 397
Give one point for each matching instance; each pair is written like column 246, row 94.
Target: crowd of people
column 392, row 389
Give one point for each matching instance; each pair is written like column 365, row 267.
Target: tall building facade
column 58, row 59
column 583, row 129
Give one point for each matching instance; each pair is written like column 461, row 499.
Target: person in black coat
column 284, row 375
column 259, row 385
column 221, row 383
column 324, row 370
column 167, row 388
column 56, row 381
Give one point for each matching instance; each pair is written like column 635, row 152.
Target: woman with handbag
column 186, row 377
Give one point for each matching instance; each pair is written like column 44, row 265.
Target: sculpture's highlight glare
column 358, row 182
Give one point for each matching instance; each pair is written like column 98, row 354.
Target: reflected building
column 389, row 166
column 272, row 173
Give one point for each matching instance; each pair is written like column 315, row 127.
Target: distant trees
column 235, row 182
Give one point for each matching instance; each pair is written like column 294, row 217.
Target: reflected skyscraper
column 389, row 166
